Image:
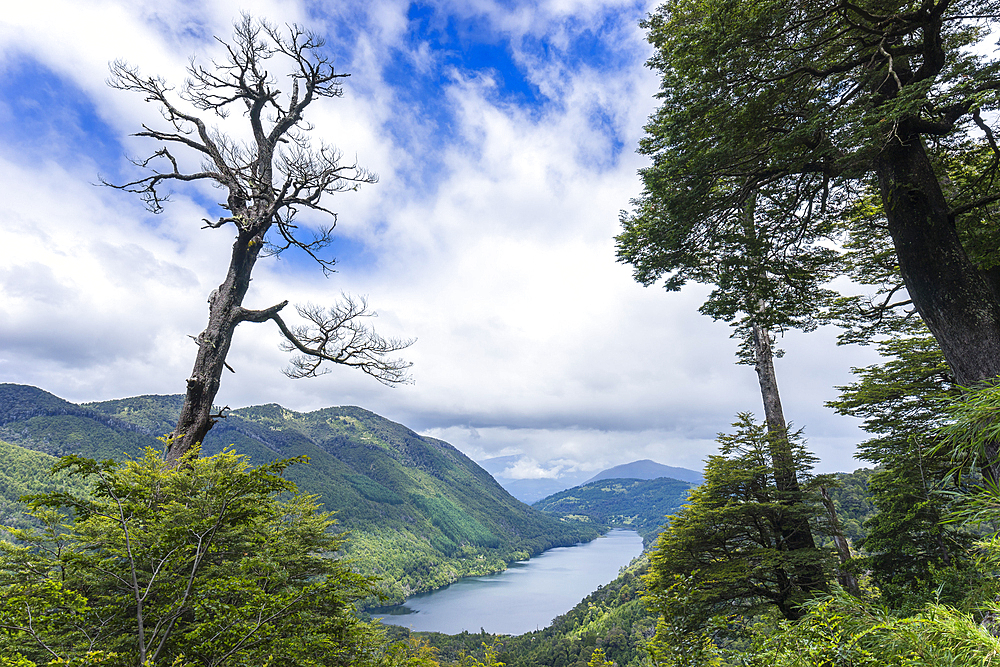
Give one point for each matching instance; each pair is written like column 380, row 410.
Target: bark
column 225, row 312
column 952, row 296
column 795, row 531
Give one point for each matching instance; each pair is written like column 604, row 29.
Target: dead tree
column 267, row 181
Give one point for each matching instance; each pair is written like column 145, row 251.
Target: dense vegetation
column 421, row 514
column 209, row 563
column 23, row 473
column 640, row 504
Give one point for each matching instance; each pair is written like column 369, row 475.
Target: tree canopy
column 202, row 564
column 911, row 553
column 816, row 99
column 726, row 549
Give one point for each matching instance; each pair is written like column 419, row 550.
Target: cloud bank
column 504, row 138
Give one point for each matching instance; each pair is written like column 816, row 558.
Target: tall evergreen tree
column 767, row 275
column 903, row 402
column 725, row 551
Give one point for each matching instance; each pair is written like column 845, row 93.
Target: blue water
column 526, row 597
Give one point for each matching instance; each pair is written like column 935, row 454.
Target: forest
column 814, row 163
column 639, row 504
column 798, row 146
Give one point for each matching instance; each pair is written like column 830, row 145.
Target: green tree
column 909, row 548
column 840, row 631
column 266, row 183
column 814, row 98
column 208, row 563
column 767, row 276
column 724, row 551
column 598, row 659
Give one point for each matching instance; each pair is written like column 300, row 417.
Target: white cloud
column 491, row 242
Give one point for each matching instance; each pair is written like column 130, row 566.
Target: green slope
column 635, row 503
column 24, row 472
column 420, row 512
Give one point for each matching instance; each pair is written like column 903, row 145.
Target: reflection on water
column 526, row 597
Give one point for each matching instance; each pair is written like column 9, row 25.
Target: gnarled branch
column 339, row 335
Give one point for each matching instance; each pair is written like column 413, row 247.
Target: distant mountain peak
column 647, row 469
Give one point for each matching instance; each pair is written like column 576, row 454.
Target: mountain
column 531, row 489
column 646, row 469
column 421, row 514
column 636, row 503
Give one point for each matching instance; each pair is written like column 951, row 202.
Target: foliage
column 910, row 552
column 421, row 514
column 766, row 271
column 852, row 501
column 24, row 472
column 211, row 562
column 840, row 631
column 972, row 426
column 817, row 101
column 725, row 549
column 412, row 652
column 490, row 658
column 598, row 659
column 805, row 89
column 639, row 504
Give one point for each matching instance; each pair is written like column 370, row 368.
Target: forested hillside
column 640, row 504
column 421, row 514
column 25, row 472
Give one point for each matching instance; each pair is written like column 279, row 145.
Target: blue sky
column 503, row 134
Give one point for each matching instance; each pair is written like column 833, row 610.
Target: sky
column 503, row 135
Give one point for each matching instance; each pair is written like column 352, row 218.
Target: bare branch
column 340, row 336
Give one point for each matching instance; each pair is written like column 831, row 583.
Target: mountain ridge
column 421, row 513
column 640, row 504
column 532, row 490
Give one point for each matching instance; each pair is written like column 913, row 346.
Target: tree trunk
column 950, row 293
column 795, row 531
column 225, row 312
column 777, row 429
column 847, row 580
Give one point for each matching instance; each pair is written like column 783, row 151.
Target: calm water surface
column 526, row 597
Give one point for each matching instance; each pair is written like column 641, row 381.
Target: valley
column 420, row 516
column 420, row 513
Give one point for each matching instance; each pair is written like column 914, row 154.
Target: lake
column 525, row 597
